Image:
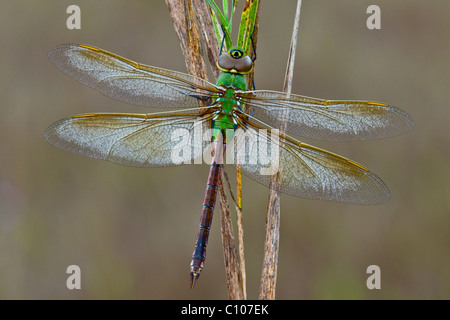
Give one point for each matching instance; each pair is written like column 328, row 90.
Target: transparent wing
column 138, row 140
column 128, row 81
column 330, row 120
column 307, row 171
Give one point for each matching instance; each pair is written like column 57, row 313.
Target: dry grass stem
column 271, row 245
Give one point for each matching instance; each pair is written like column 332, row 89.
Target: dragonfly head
column 235, row 61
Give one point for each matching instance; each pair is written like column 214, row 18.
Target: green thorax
column 232, row 82
column 224, row 120
column 234, row 64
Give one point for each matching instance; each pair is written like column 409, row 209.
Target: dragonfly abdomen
column 212, row 186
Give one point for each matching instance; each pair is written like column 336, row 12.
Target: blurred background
column 132, row 230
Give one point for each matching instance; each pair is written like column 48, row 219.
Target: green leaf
column 247, row 24
column 230, row 20
column 220, row 19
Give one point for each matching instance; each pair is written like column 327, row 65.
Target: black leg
column 253, row 46
column 223, row 39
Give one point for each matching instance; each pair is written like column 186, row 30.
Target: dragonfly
column 223, row 112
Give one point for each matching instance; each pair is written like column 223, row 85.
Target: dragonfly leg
column 253, row 44
column 223, row 39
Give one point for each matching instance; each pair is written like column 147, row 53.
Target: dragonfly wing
column 307, row 171
column 138, row 140
column 128, row 81
column 330, row 120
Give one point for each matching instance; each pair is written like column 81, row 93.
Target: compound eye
column 244, row 65
column 226, row 62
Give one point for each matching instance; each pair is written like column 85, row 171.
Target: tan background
column 132, row 230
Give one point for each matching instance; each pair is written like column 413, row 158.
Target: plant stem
column 231, row 259
column 183, row 18
column 192, row 18
column 271, row 246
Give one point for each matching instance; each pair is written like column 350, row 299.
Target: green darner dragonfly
column 148, row 140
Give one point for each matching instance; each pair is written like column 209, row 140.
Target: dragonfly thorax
column 234, row 81
column 228, row 101
column 223, row 127
column 224, row 121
